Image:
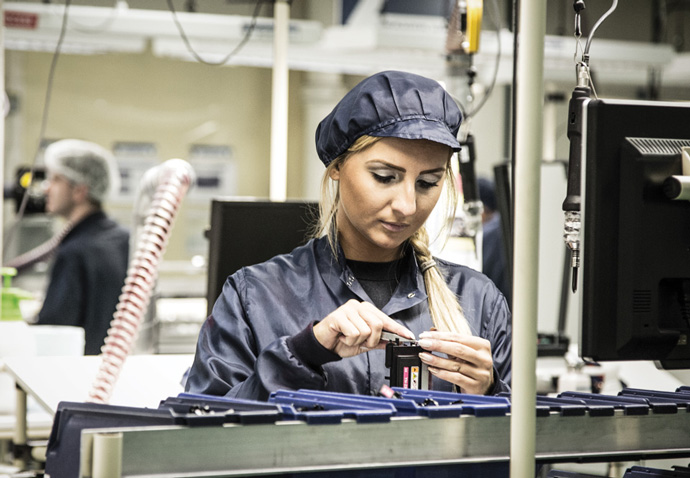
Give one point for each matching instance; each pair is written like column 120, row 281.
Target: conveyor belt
column 316, row 431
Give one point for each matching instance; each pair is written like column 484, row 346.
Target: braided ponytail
column 444, row 307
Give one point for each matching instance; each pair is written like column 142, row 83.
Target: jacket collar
column 337, row 274
column 85, row 223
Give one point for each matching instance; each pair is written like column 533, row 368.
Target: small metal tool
column 393, row 337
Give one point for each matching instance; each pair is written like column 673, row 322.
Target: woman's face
column 387, row 192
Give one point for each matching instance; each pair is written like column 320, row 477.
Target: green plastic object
column 11, row 296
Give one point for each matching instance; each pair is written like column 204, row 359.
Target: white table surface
column 144, row 381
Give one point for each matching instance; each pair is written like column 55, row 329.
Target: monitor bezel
column 613, row 120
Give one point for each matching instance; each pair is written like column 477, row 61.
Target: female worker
column 313, row 318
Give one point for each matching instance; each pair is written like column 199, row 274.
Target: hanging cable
column 585, row 55
column 583, row 68
column 44, row 121
column 576, row 107
column 41, row 252
column 234, row 51
column 492, row 84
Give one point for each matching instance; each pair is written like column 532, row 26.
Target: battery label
column 414, row 381
column 407, row 369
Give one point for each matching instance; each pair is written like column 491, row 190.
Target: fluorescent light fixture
column 391, row 41
column 36, row 26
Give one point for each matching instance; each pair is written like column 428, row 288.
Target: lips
column 394, row 226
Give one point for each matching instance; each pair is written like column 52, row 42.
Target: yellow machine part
column 474, row 24
column 25, row 180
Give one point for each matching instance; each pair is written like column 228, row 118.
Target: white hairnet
column 86, row 163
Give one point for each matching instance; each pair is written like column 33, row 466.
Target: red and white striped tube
column 174, row 178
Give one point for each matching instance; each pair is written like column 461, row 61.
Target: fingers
column 468, row 362
column 467, row 376
column 355, row 326
column 352, row 329
column 469, row 348
column 392, row 326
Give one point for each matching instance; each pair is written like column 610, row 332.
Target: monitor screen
column 244, row 232
column 635, row 239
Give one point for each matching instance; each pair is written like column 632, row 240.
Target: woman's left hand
column 469, row 364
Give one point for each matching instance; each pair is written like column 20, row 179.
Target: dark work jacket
column 87, row 278
column 243, row 349
column 493, row 256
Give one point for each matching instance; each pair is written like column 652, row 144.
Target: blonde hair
column 445, row 309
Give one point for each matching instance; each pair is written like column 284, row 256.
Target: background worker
column 91, row 261
column 493, row 246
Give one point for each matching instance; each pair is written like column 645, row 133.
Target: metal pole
column 2, row 130
column 528, row 155
column 20, row 438
column 279, row 101
column 106, row 457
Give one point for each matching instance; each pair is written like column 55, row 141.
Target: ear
column 80, row 192
column 334, row 173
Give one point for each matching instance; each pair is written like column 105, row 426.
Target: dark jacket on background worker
column 87, row 278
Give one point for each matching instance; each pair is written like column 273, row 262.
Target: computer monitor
column 246, row 232
column 635, row 239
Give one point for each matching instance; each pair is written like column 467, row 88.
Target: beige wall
column 142, row 98
column 117, row 97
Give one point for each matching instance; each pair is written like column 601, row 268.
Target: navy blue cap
column 390, row 104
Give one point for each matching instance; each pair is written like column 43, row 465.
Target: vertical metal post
column 106, row 458
column 528, row 153
column 2, row 128
column 20, row 430
column 279, row 101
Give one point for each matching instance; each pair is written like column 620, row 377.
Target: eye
column 427, row 184
column 383, row 179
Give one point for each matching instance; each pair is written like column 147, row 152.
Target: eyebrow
column 403, row 170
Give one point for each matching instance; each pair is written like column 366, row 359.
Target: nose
column 405, row 200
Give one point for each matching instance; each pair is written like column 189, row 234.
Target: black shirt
column 378, row 279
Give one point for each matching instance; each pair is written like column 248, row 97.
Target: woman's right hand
column 355, row 327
